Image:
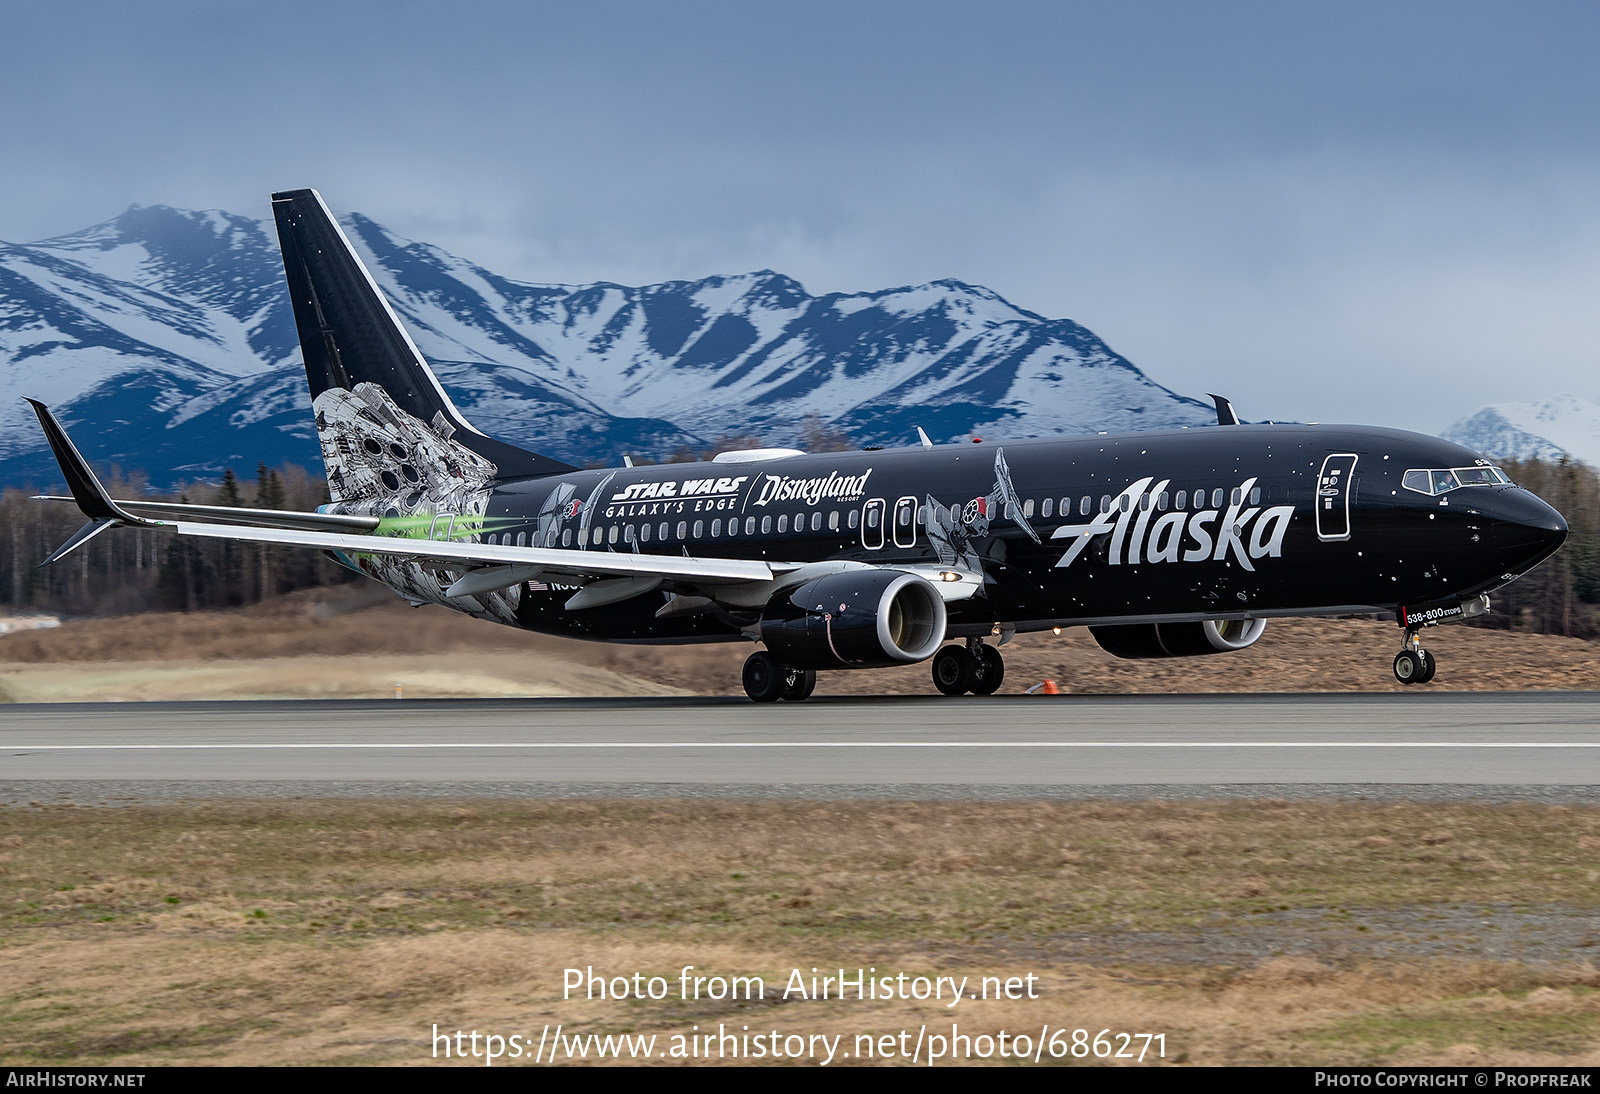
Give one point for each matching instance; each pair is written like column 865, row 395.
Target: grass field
column 342, row 932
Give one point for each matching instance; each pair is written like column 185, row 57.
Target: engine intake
column 857, row 619
column 1179, row 639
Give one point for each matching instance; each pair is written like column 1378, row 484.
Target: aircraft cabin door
column 1333, row 497
column 905, row 523
column 872, row 524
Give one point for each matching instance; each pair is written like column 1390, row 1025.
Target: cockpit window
column 1442, row 480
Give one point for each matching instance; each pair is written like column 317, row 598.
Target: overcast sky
column 1380, row 212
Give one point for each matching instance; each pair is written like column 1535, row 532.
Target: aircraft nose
column 1527, row 531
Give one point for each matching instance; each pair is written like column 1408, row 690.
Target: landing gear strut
column 1413, row 664
column 766, row 679
column 974, row 667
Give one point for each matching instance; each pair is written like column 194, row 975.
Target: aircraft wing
column 344, row 534
column 230, row 514
column 548, row 560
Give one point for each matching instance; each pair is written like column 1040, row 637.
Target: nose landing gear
column 974, row 667
column 1413, row 664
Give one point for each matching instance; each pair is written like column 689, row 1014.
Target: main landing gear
column 1413, row 664
column 974, row 667
column 766, row 679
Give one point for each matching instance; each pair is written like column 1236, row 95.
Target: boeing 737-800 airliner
column 1165, row 544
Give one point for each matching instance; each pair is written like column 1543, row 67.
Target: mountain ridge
column 164, row 338
column 1545, row 429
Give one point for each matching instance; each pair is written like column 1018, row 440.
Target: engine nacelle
column 1179, row 639
column 857, row 619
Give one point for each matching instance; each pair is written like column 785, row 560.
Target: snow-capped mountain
column 1546, row 430
column 165, row 340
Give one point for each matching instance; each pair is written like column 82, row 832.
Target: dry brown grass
column 338, row 641
column 324, row 931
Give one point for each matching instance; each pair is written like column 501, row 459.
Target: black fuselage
column 1212, row 523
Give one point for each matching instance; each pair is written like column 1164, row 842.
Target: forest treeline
column 127, row 570
column 133, row 570
column 1562, row 594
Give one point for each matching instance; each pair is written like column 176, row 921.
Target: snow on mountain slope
column 755, row 352
column 165, row 339
column 1547, row 429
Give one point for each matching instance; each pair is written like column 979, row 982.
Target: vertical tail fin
column 354, row 346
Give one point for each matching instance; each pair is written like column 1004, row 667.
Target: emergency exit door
column 1333, row 497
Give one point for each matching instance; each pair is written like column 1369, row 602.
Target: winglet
column 86, row 489
column 1226, row 415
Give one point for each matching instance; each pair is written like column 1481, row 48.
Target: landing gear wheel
column 954, row 670
column 1408, row 667
column 763, row 677
column 1430, row 665
column 798, row 684
column 991, row 671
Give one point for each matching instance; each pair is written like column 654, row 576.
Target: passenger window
column 683, row 529
column 644, row 533
column 1255, row 495
column 598, row 534
column 1237, row 496
column 1011, row 511
column 833, row 521
column 566, row 537
column 612, row 538
column 1216, row 498
column 699, row 529
column 733, row 526
column 1105, row 503
column 766, row 525
column 1045, row 507
column 872, row 518
column 1084, row 505
column 855, row 519
column 629, row 535
column 749, row 526
column 521, row 538
column 716, row 528
column 1124, row 502
column 1144, row 503
column 1183, row 497
column 1027, row 509
column 1161, row 502
column 783, row 522
column 662, row 536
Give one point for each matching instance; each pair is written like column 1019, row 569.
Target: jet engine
column 1179, row 639
column 868, row 618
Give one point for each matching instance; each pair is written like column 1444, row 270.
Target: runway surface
column 1540, row 745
